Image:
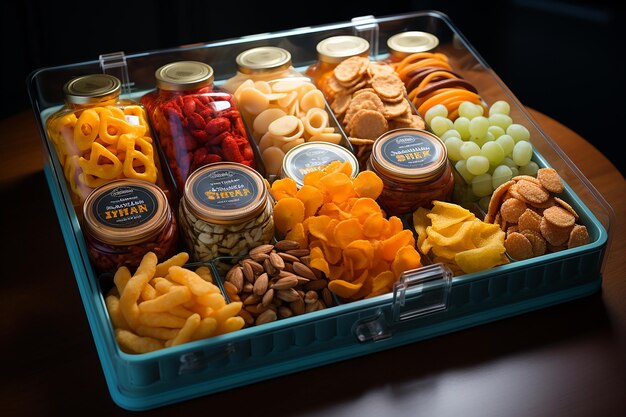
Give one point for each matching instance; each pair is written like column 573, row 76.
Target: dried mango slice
column 361, row 252
column 368, row 184
column 312, row 199
column 283, row 187
column 298, row 234
column 317, row 226
column 382, row 283
column 395, row 225
column 347, row 231
column 314, row 178
column 392, row 245
column 375, row 225
column 288, row 212
column 338, row 185
column 339, row 166
column 333, row 253
column 319, row 262
column 407, row 258
column 86, row 129
column 364, row 207
column 344, row 289
column 420, row 222
column 333, row 210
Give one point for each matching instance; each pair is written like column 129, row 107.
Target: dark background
column 561, row 57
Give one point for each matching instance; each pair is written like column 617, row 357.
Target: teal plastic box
column 425, row 304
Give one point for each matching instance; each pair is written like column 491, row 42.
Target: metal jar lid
column 409, row 155
column 263, row 59
column 126, row 212
column 184, row 75
column 412, row 42
column 225, row 193
column 338, row 48
column 92, row 88
column 312, row 156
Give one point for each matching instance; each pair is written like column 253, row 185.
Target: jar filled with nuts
column 226, row 210
column 125, row 219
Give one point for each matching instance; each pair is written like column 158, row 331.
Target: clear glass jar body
column 198, row 127
column 103, row 141
column 232, row 84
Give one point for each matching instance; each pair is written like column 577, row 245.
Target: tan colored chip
column 392, row 110
column 518, row 246
column 357, row 87
column 531, row 192
column 550, row 179
column 512, row 209
column 511, row 229
column 546, row 204
column 527, row 178
column 578, row 236
column 364, row 90
column 350, row 69
column 361, row 141
column 529, row 220
column 566, row 206
column 340, row 103
column 496, row 201
column 554, row 235
column 365, row 101
column 536, row 240
column 379, row 68
column 388, row 85
column 558, row 216
column 368, row 124
column 514, row 192
column 553, row 248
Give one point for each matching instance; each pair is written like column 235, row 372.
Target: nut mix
column 535, row 221
column 276, row 281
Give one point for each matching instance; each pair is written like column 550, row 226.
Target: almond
column 248, row 272
column 284, row 312
column 301, row 269
column 260, row 285
column 266, row 317
column 268, row 297
column 286, row 245
column 276, row 261
column 262, row 249
column 288, row 295
column 297, row 306
column 235, row 278
column 285, row 283
column 269, row 268
column 288, row 258
column 310, row 297
column 256, row 267
column 246, row 316
column 298, row 252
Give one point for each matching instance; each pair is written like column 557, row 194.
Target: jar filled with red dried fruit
column 196, row 123
column 99, row 136
column 125, row 219
column 413, row 165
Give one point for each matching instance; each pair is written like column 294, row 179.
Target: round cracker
column 536, row 240
column 566, row 206
column 550, row 179
column 558, row 216
column 578, row 236
column 554, row 235
column 518, row 246
column 529, row 220
column 388, row 85
column 531, row 192
column 349, row 69
column 368, row 124
column 512, row 209
column 496, row 200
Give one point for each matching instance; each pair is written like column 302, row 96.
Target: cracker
column 511, row 229
column 578, row 236
column 388, row 85
column 350, row 69
column 368, row 124
column 379, row 68
column 566, row 206
column 518, row 246
column 554, row 235
column 536, row 240
column 546, row 204
column 496, row 200
column 527, row 178
column 340, row 103
column 529, row 220
column 531, row 192
column 514, row 193
column 512, row 209
column 550, row 179
column 392, row 110
column 558, row 216
column 364, row 90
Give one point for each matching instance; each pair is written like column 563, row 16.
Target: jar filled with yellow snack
column 330, row 52
column 125, row 219
column 226, row 210
column 196, row 122
column 282, row 110
column 99, row 137
column 413, row 165
column 404, row 44
column 261, row 64
column 315, row 156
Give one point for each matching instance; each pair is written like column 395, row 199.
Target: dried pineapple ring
column 86, row 129
column 311, row 100
column 92, row 166
column 315, row 121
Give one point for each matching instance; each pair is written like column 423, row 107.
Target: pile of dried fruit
column 351, row 241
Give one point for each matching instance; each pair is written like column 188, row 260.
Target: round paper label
column 125, row 206
column 225, row 189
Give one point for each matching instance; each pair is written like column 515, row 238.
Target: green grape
column 478, row 126
column 508, row 161
column 461, row 124
column 496, row 131
column 483, row 203
column 480, row 141
column 461, row 167
column 481, row 185
column 439, row 125
column 470, row 110
column 469, row 149
column 453, row 146
column 450, row 133
column 493, row 152
column 500, row 107
column 500, row 175
column 518, row 132
column 530, row 168
column 522, row 153
column 507, row 143
column 515, row 172
column 477, row 165
column 437, row 110
column 500, row 120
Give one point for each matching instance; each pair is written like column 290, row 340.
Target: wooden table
column 564, row 360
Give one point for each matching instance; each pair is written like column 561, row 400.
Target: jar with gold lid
column 413, row 165
column 196, row 123
column 226, row 210
column 99, row 137
column 331, row 51
column 125, row 219
column 314, row 156
column 407, row 43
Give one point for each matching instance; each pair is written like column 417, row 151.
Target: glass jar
column 125, row 219
column 261, row 64
column 196, row 123
column 99, row 137
column 226, row 210
column 413, row 165
column 313, row 156
column 404, row 44
column 331, row 51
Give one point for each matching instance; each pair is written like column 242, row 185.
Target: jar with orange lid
column 331, row 51
column 413, row 165
column 125, row 219
column 99, row 137
column 226, row 210
column 404, row 44
column 196, row 123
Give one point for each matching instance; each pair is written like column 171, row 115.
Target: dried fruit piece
column 288, row 212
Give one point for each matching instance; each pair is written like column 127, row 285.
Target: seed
column 266, row 317
column 286, row 245
column 262, row 249
column 268, row 297
column 288, row 295
column 260, row 285
column 276, row 261
column 301, row 269
column 285, row 283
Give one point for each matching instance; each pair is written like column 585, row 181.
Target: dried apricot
column 288, row 212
